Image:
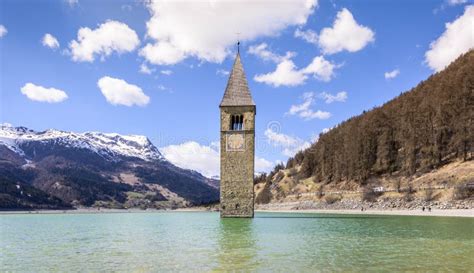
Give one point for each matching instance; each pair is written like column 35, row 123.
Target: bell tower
column 237, row 146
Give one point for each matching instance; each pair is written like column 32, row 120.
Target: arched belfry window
column 237, row 122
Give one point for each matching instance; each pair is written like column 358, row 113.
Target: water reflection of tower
column 237, row 246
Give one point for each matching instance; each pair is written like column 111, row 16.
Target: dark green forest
column 419, row 130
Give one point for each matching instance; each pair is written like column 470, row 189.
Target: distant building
column 237, row 146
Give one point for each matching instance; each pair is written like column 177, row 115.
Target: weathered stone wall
column 237, row 167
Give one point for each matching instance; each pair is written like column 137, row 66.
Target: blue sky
column 159, row 70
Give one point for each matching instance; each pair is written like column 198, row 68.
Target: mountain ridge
column 94, row 169
column 106, row 144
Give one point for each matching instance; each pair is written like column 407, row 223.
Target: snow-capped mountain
column 111, row 146
column 53, row 169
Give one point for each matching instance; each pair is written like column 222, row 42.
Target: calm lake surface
column 202, row 242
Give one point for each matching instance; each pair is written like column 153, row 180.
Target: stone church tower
column 237, row 145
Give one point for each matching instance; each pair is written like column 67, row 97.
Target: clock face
column 235, row 142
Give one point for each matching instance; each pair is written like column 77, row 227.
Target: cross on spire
column 238, row 41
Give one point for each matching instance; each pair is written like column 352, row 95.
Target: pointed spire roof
column 237, row 92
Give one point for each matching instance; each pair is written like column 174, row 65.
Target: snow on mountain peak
column 105, row 144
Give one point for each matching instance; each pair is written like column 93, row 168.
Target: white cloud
column 3, row 31
column 279, row 139
column 456, row 2
column 145, row 69
column 261, row 51
column 392, row 74
column 303, row 110
column 262, row 165
column 310, row 114
column 119, row 92
column 321, row 69
column 43, row 94
column 308, row 101
column 50, row 41
column 287, row 74
column 72, row 3
column 329, row 98
column 458, row 38
column 289, row 145
column 307, row 35
column 194, row 156
column 109, row 37
column 222, row 72
column 166, row 72
column 325, row 130
column 207, row 29
column 162, row 54
column 202, row 158
column 345, row 34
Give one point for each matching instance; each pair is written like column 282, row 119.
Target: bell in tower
column 237, row 146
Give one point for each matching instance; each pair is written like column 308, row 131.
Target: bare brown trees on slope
column 422, row 129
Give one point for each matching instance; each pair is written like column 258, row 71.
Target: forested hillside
column 419, row 130
column 421, row 139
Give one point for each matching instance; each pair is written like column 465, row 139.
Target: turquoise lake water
column 202, row 242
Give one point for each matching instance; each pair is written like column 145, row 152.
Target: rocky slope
column 448, row 187
column 67, row 169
